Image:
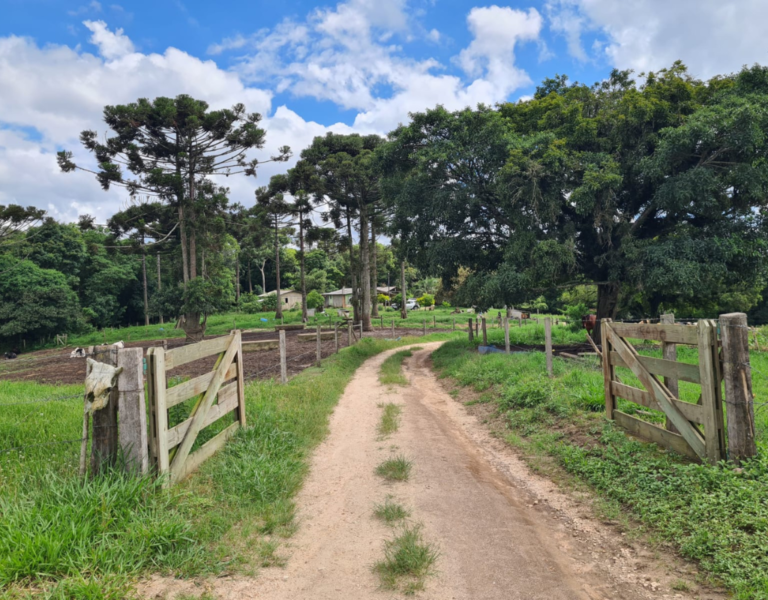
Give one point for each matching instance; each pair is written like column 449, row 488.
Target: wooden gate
column 701, row 434
column 170, row 448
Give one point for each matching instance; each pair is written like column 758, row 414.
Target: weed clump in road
column 390, row 418
column 408, row 561
column 392, row 368
column 390, row 511
column 395, row 469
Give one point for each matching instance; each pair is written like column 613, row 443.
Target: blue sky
column 313, row 67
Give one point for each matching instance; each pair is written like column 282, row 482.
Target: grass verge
column 390, row 511
column 408, row 561
column 715, row 515
column 395, row 469
column 390, row 418
column 69, row 538
column 391, row 372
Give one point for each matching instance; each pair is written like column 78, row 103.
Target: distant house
column 288, row 298
column 339, row 299
column 387, row 291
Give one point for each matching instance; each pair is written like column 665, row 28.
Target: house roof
column 386, row 290
column 273, row 292
column 341, row 292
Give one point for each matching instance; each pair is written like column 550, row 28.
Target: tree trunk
column 374, row 272
column 279, row 310
column 304, row 317
column 237, row 278
column 353, row 277
column 403, row 294
column 159, row 283
column 144, row 277
column 184, row 248
column 607, row 304
column 193, row 328
column 365, row 270
column 262, row 268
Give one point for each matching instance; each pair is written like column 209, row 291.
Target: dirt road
column 502, row 533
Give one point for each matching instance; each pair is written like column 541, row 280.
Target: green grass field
column 715, row 515
column 66, row 538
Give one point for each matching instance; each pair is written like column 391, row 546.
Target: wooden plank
column 692, row 412
column 132, row 410
column 151, row 409
column 717, row 361
column 669, row 352
column 708, row 383
column 240, row 386
column 206, row 451
column 177, row 466
column 660, row 393
column 548, row 344
column 260, row 345
column 161, row 412
column 657, row 435
column 226, row 404
column 665, row 368
column 674, row 334
column 293, row 327
column 609, row 372
column 311, row 337
column 194, row 387
column 185, row 354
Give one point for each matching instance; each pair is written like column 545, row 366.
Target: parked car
column 410, row 304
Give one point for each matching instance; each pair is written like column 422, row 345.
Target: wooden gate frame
column 170, row 447
column 692, row 442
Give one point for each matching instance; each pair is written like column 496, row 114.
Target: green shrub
column 573, row 315
column 250, row 303
column 269, row 303
column 426, row 300
column 315, row 300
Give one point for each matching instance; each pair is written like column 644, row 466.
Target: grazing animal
column 10, row 355
column 119, row 345
column 589, row 322
column 77, row 353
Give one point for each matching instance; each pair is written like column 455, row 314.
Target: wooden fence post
column 506, row 335
column 434, row 321
column 336, row 336
column 485, row 333
column 737, row 373
column 393, row 329
column 608, row 370
column 425, row 327
column 519, row 321
column 454, row 324
column 669, row 352
column 548, row 345
column 132, row 410
column 319, row 346
column 283, row 361
column 104, row 442
column 349, row 333
column 471, row 334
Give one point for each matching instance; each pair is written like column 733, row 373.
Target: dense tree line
column 630, row 196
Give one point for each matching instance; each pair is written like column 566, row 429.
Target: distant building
column 339, row 299
column 288, row 298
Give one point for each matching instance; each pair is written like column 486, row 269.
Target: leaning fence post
column 319, row 346
column 669, row 352
column 548, row 345
column 104, row 445
column 506, row 335
column 737, row 373
column 132, row 410
column 471, row 334
column 283, row 361
column 336, row 336
column 485, row 333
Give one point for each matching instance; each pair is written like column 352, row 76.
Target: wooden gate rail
column 687, row 418
column 171, row 447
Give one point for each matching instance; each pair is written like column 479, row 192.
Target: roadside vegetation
column 395, row 469
column 90, row 539
column 717, row 515
column 390, row 419
column 391, row 372
column 408, row 561
column 390, row 511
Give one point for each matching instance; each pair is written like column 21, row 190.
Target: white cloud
column 711, row 36
column 111, row 45
column 55, row 92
